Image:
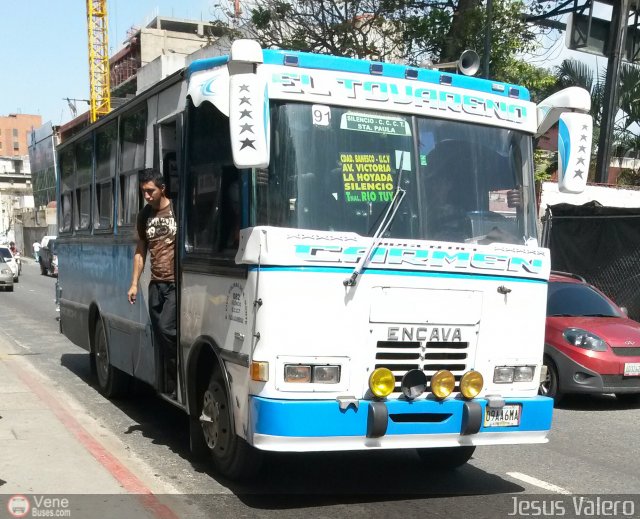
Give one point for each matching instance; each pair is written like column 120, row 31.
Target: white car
column 10, row 260
column 6, row 276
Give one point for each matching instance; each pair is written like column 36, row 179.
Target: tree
column 393, row 30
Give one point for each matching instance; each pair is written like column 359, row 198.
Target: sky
column 44, row 57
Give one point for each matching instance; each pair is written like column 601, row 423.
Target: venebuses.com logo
column 18, row 506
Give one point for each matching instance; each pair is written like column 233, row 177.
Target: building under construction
column 148, row 55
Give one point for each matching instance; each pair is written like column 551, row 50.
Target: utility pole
column 487, row 39
column 617, row 34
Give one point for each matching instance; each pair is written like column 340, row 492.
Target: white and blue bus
column 357, row 257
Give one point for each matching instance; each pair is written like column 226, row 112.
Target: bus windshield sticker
column 403, row 160
column 367, row 177
column 375, row 124
column 321, row 115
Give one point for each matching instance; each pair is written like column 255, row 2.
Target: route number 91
column 321, row 115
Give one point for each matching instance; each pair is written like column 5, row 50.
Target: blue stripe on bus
column 390, row 272
column 206, row 64
column 391, row 70
column 324, row 418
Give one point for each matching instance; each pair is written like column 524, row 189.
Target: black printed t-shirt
column 158, row 230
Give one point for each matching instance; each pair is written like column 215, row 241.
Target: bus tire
column 112, row 383
column 232, row 456
column 447, row 458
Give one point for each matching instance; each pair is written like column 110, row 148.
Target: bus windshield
column 336, row 169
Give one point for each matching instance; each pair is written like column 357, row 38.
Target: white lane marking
column 538, row 483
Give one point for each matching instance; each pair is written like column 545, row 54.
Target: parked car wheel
column 550, row 386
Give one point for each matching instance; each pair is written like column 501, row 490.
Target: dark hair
column 151, row 175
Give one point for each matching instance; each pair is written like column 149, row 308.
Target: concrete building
column 15, row 195
column 149, row 54
column 14, row 133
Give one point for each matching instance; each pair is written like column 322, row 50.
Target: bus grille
column 401, row 357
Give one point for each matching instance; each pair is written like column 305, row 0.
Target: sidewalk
column 47, row 450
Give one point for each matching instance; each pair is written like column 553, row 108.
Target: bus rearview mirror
column 249, row 120
column 574, row 151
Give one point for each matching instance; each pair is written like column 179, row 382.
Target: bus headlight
column 523, row 373
column 297, row 373
column 442, row 383
column 509, row 374
column 471, row 384
column 326, row 374
column 311, row 374
column 382, row 382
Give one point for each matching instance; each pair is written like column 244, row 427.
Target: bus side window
column 170, row 174
column 230, row 214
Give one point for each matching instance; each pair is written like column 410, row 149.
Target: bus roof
column 308, row 60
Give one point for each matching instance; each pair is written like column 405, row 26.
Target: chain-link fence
column 602, row 244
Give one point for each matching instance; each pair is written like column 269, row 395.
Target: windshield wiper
column 387, row 220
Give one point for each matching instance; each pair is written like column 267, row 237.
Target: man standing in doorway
column 157, row 235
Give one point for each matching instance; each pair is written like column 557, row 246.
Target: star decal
column 248, row 143
column 583, row 149
column 578, row 173
column 246, row 113
column 246, row 128
column 245, row 88
column 244, row 100
column 580, row 161
column 584, row 128
column 583, row 137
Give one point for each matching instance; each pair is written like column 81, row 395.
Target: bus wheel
column 112, row 382
column 232, row 456
column 446, row 458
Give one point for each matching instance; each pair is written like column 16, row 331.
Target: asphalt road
column 593, row 449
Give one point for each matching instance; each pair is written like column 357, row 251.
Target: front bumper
column 576, row 378
column 313, row 425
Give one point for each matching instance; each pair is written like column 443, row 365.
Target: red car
column 591, row 346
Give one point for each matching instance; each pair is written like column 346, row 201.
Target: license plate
column 506, row 416
column 632, row 369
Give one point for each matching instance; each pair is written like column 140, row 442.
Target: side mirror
column 574, row 151
column 249, row 121
column 248, row 106
column 625, row 311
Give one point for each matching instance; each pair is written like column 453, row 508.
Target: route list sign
column 367, row 177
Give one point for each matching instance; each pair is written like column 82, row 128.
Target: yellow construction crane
column 99, row 75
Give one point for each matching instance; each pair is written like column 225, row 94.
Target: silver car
column 6, row 275
column 10, row 260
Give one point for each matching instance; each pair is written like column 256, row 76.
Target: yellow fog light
column 442, row 383
column 382, row 382
column 471, row 384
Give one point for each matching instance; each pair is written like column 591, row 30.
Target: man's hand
column 131, row 295
column 514, row 198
